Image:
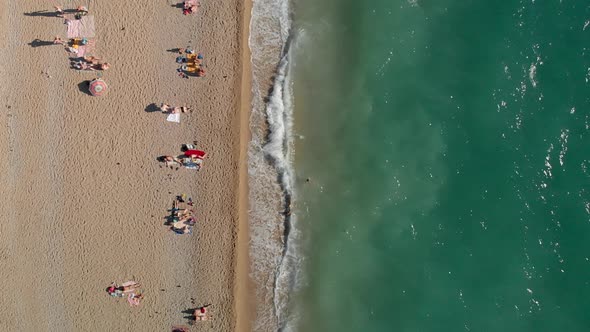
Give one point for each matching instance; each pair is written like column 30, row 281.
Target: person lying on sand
column 181, row 229
column 180, row 329
column 189, row 221
column 167, row 160
column 165, row 108
column 92, row 59
column 112, row 289
column 87, row 66
column 129, row 288
column 201, row 313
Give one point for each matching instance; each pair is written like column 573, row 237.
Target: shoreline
column 243, row 284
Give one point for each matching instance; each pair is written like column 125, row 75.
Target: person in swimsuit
column 129, row 288
column 169, row 160
column 201, row 313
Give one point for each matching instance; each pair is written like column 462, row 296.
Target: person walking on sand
column 170, row 160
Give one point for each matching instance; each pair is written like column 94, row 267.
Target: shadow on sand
column 83, row 87
column 189, row 315
column 151, row 108
column 42, row 13
column 39, row 43
column 45, row 13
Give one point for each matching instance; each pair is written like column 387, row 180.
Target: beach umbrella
column 97, row 87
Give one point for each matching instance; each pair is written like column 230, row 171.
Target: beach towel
column 174, row 117
column 83, row 27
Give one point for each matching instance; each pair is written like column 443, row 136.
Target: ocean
column 421, row 165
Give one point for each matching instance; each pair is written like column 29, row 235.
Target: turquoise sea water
column 447, row 147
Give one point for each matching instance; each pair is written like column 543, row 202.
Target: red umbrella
column 97, row 87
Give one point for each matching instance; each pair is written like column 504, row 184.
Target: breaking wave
column 273, row 231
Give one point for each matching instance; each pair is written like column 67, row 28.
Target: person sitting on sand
column 91, row 59
column 177, row 212
column 180, row 329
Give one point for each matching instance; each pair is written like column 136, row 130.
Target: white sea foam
column 563, row 141
column 274, row 233
column 533, row 74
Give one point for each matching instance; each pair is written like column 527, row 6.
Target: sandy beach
column 84, row 198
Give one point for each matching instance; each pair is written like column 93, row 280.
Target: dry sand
column 83, row 198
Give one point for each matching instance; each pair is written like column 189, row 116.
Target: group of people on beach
column 129, row 289
column 191, row 63
column 190, row 159
column 79, row 60
column 181, row 219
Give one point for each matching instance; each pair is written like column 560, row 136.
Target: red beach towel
column 196, row 153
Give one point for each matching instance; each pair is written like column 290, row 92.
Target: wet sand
column 84, row 198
